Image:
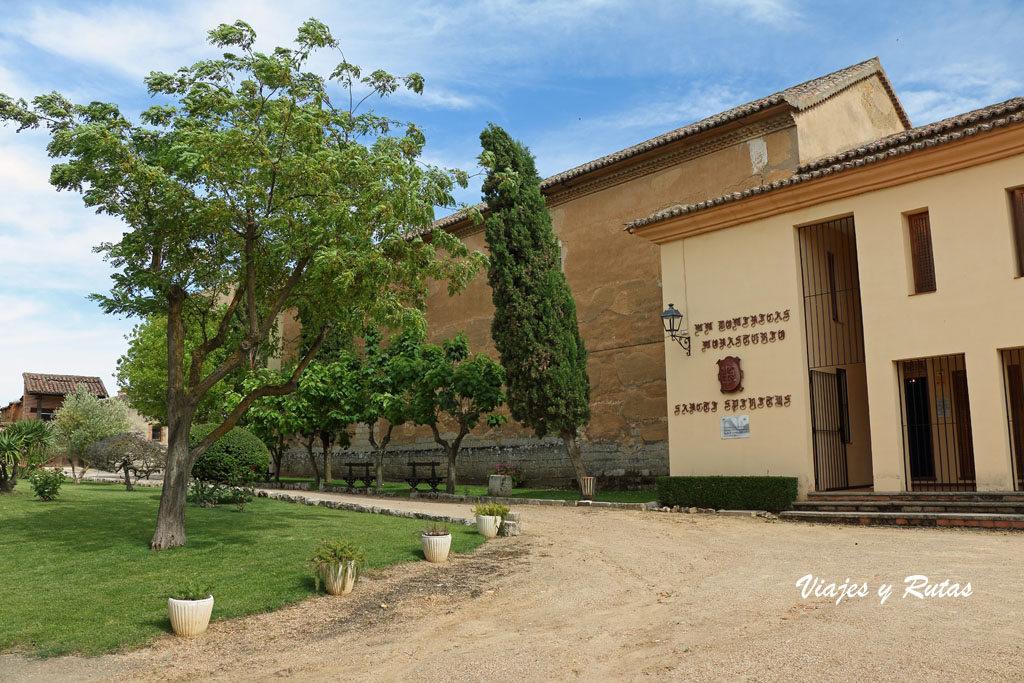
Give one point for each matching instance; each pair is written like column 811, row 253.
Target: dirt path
column 613, row 595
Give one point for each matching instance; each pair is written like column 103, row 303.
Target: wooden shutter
column 921, row 252
column 1018, row 227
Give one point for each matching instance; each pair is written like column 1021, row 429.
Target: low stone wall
column 544, row 463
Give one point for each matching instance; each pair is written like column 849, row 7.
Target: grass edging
column 457, row 498
column 359, row 507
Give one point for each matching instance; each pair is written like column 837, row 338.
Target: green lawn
column 79, row 575
column 402, row 489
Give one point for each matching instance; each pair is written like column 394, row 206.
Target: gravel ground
column 619, row 595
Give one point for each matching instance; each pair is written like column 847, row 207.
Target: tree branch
column 437, row 436
column 259, row 392
column 200, row 353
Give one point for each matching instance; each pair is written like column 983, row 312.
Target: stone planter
column 435, row 548
column 190, row 617
column 340, row 579
column 487, row 525
column 499, row 485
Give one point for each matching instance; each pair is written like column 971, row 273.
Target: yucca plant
column 337, row 562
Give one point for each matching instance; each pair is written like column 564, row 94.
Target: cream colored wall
column 724, row 274
column 975, row 311
column 859, row 114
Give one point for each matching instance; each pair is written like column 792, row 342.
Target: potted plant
column 488, row 518
column 338, row 563
column 190, row 606
column 437, row 542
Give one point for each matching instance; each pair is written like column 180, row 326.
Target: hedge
column 728, row 493
column 236, row 457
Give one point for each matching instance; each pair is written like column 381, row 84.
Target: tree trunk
column 127, row 478
column 278, row 454
column 453, row 453
column 326, row 441
column 74, row 477
column 170, row 519
column 449, row 486
column 312, row 462
column 573, row 449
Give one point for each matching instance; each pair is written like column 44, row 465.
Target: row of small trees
column 382, row 387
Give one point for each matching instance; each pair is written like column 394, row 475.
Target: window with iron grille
column 921, row 252
column 158, row 432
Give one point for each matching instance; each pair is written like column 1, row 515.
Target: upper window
column 1017, row 200
column 921, row 252
column 157, row 433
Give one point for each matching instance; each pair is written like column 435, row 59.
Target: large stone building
column 616, row 278
column 857, row 324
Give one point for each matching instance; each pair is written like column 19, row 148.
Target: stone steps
column 927, row 519
column 916, row 505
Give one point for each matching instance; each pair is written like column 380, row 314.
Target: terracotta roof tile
column 898, row 144
column 60, row 385
column 800, row 97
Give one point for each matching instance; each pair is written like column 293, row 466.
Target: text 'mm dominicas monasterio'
column 795, row 235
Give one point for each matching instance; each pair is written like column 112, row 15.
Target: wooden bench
column 360, row 471
column 433, row 480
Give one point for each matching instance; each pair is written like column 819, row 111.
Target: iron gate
column 827, row 427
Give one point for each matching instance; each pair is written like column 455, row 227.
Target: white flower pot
column 190, row 617
column 435, row 548
column 341, row 578
column 488, row 526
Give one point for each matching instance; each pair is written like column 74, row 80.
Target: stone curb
column 359, row 507
column 455, row 498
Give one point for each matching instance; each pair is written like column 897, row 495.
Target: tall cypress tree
column 534, row 326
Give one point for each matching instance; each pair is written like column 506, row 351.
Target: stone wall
column 544, row 463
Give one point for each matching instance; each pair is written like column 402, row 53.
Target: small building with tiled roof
column 615, row 277
column 43, row 393
column 856, row 324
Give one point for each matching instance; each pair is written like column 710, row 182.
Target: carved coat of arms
column 730, row 375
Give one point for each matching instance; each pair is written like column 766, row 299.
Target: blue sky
column 574, row 80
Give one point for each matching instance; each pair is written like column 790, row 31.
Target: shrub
column 518, row 478
column 736, row 493
column 46, row 482
column 237, row 458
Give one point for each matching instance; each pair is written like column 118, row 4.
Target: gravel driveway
column 615, row 595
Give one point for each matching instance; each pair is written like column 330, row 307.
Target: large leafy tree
column 451, row 384
column 249, row 188
column 534, row 326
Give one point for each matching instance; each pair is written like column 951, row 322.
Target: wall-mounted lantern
column 674, row 328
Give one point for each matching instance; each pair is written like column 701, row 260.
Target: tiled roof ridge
column 800, row 96
column 46, row 383
column 897, row 144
